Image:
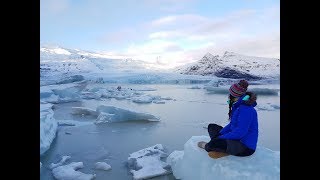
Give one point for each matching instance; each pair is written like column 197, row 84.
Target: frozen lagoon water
column 184, row 116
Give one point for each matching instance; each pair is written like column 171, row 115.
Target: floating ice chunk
column 65, row 123
column 194, row 163
column 145, row 89
column 265, row 91
column 158, row 102
column 45, row 107
column 69, row 172
column 143, row 99
column 48, row 126
column 146, row 99
column 275, row 106
column 68, row 94
column 62, row 161
column 71, row 79
column 174, row 160
column 83, row 111
column 267, row 107
column 49, row 88
column 61, row 123
column 119, row 95
column 47, row 95
column 114, row 114
column 52, row 99
column 60, row 93
column 102, row 166
column 217, row 82
column 166, row 98
column 99, row 80
column 156, row 149
column 104, row 117
column 72, row 123
column 93, row 132
column 218, row 90
column 194, row 87
column 149, row 167
column 90, row 95
column 147, row 163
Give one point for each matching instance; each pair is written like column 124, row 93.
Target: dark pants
column 233, row 147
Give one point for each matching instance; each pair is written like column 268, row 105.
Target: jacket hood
column 252, row 101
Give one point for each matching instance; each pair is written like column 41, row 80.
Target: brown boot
column 216, row 155
column 202, row 144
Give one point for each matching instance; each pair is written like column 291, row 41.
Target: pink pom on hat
column 238, row 89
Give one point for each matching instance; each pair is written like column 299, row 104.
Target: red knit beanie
column 238, row 89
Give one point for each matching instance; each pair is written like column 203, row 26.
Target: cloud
column 185, row 19
column 185, row 38
column 178, row 37
column 164, row 21
column 166, row 34
column 194, row 24
column 226, row 23
column 154, row 47
column 261, row 45
column 171, row 54
column 219, row 29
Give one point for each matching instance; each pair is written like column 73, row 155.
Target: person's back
column 243, row 122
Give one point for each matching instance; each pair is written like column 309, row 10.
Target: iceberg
column 145, row 99
column 69, row 172
column 106, row 114
column 102, row 166
column 147, row 163
column 73, row 123
column 48, row 126
column 115, row 114
column 83, row 111
column 194, row 163
column 62, row 161
column 61, row 93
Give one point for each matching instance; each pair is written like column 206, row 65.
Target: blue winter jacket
column 243, row 125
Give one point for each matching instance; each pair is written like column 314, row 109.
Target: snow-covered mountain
column 62, row 65
column 68, row 65
column 233, row 65
column 69, row 61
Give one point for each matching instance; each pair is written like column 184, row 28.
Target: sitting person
column 240, row 136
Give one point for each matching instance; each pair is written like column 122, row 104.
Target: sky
column 169, row 32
